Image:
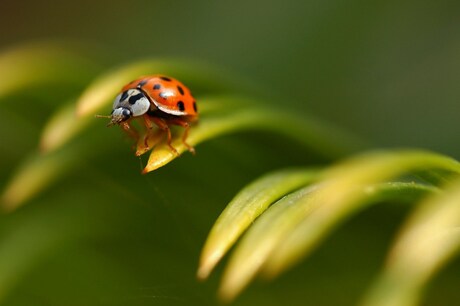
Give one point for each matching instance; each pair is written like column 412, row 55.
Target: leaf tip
column 207, row 263
column 145, row 171
column 203, row 273
column 272, row 270
column 230, row 289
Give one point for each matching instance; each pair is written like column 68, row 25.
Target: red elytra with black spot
column 167, row 94
column 173, row 104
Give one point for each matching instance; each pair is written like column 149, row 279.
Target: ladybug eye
column 126, row 113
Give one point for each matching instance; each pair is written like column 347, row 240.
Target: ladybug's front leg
column 148, row 121
column 130, row 130
column 149, row 126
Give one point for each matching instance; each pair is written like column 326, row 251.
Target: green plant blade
column 343, row 190
column 53, row 161
column 341, row 196
column 61, row 127
column 42, row 63
column 251, row 252
column 217, row 119
column 278, row 221
column 38, row 172
column 206, row 129
column 211, row 107
column 427, row 241
column 247, row 205
column 307, row 131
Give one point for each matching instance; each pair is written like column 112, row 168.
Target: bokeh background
column 388, row 71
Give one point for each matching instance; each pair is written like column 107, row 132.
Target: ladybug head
column 120, row 115
column 130, row 103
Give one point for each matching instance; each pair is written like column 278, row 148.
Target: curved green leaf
column 43, row 63
column 61, row 127
column 340, row 196
column 318, row 137
column 247, row 205
column 292, row 226
column 37, row 173
column 217, row 119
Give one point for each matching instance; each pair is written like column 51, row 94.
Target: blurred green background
column 385, row 70
column 388, row 70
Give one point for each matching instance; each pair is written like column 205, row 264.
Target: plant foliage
column 79, row 216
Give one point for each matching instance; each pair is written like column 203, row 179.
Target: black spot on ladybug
column 156, row 86
column 195, row 108
column 181, row 90
column 165, row 79
column 181, row 106
column 133, row 99
column 142, row 83
column 124, row 95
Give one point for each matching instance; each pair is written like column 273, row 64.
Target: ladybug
column 160, row 100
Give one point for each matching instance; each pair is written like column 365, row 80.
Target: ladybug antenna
column 107, row 116
column 103, row 116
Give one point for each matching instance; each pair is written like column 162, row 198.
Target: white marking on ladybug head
column 119, row 115
column 116, row 102
column 134, row 100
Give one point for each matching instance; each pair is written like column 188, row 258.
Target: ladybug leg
column 184, row 138
column 129, row 129
column 186, row 126
column 162, row 124
column 149, row 126
column 148, row 121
